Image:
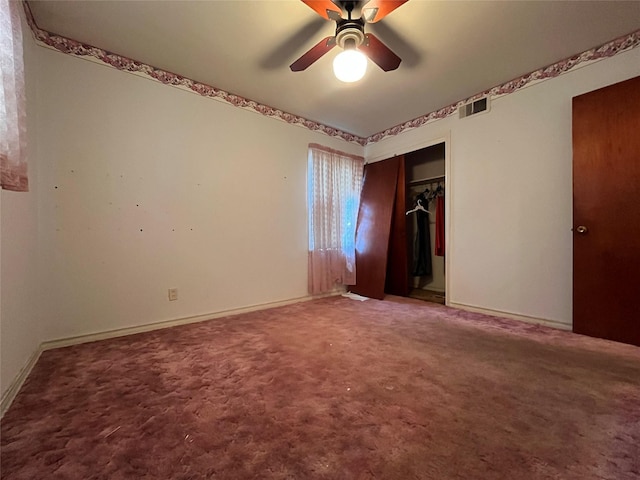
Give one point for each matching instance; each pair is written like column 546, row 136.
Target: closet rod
column 427, row 180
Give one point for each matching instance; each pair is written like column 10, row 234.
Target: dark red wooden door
column 606, row 212
column 374, row 226
column 397, row 282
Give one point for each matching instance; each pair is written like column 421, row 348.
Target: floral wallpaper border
column 73, row 47
column 609, row 49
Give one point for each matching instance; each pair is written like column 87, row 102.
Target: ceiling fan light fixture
column 350, row 65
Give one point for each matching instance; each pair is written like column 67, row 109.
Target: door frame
column 448, row 196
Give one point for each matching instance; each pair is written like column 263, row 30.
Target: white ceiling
column 451, row 50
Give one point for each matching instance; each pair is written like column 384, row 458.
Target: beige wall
column 509, row 193
column 20, row 326
column 146, row 187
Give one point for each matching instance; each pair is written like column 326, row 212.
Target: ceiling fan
column 351, row 37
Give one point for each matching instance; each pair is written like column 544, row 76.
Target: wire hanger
column 418, row 208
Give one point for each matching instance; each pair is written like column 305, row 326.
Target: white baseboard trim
column 11, row 392
column 513, row 316
column 18, row 381
column 148, row 327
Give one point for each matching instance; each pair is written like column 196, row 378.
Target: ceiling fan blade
column 289, row 47
column 323, row 8
column 395, row 39
column 320, row 48
column 375, row 10
column 379, row 53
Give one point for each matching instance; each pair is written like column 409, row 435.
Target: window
column 334, row 182
column 12, row 103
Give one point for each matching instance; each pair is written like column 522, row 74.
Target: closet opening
column 425, row 225
column 400, row 235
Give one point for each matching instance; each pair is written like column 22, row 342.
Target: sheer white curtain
column 13, row 161
column 335, row 179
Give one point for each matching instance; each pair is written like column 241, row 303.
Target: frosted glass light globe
column 349, row 65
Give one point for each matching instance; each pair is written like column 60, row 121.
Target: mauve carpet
column 332, row 389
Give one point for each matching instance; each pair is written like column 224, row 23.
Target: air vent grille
column 472, row 108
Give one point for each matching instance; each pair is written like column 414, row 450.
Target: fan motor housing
column 350, row 33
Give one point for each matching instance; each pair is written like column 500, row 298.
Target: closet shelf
column 427, row 180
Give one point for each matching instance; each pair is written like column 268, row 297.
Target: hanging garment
column 439, row 251
column 422, row 245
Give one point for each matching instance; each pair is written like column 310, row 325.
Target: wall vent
column 471, row 108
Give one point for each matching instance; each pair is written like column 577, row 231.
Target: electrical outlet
column 173, row 294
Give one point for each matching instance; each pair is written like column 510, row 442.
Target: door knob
column 582, row 229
